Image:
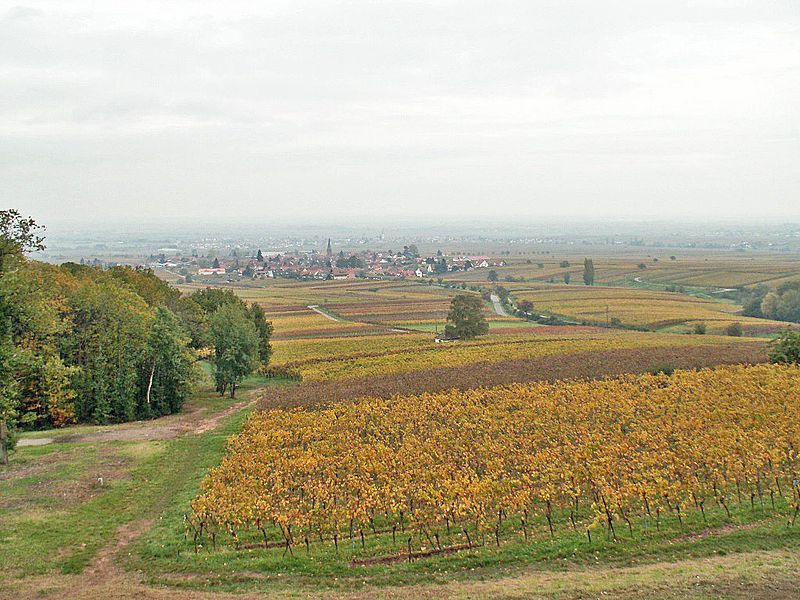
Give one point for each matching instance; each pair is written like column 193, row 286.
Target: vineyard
column 640, row 308
column 413, row 353
column 436, row 473
column 702, row 270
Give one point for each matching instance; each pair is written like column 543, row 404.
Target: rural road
column 498, row 306
column 317, row 309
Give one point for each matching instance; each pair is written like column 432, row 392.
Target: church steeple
column 329, row 252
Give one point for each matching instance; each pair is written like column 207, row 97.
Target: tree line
column 781, row 303
column 83, row 344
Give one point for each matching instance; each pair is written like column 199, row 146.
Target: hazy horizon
column 391, row 113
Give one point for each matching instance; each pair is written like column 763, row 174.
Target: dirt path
column 186, row 423
column 103, row 565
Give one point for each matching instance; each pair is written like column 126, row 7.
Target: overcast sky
column 245, row 111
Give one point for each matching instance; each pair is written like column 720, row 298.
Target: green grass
column 165, row 551
column 43, row 534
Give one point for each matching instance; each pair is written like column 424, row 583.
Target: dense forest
column 83, row 344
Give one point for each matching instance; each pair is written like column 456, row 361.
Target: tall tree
column 35, row 386
column 108, row 344
column 264, row 330
column 236, row 346
column 193, row 319
column 167, row 368
column 588, row 271
column 465, row 319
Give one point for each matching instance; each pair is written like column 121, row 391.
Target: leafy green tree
column 264, row 330
column 35, row 386
column 769, row 305
column 567, row 277
column 700, row 328
column 260, row 256
column 167, row 369
column 492, row 276
column 786, row 348
column 108, row 344
column 236, row 346
column 751, row 299
column 193, row 319
column 81, row 343
column 588, row 271
column 210, row 299
column 17, row 236
column 153, row 290
column 465, row 319
column 783, row 303
column 351, row 262
column 734, row 329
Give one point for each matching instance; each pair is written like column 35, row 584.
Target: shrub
column 786, row 348
column 734, row 329
column 700, row 328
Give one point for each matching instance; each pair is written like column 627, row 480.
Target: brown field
column 590, row 365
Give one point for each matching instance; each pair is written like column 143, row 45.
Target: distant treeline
column 82, row 344
column 782, row 304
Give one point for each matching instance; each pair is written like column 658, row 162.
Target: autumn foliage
column 604, row 452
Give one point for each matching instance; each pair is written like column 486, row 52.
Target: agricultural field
column 640, row 308
column 547, row 471
column 652, row 267
column 423, row 354
column 352, row 307
column 401, row 466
